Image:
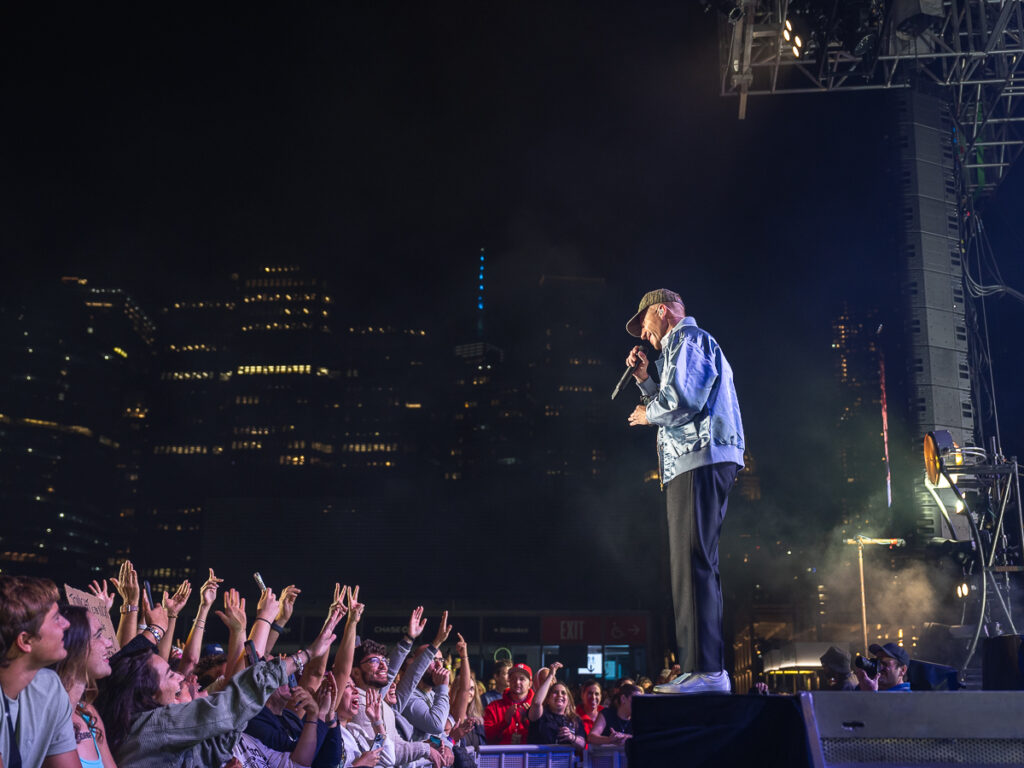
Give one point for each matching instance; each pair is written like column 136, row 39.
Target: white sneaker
column 696, row 682
column 673, row 685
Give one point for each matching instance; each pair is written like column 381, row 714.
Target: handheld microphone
column 624, row 379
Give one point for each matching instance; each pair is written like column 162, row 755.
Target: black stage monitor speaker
column 717, row 730
column 1002, row 663
column 872, row 730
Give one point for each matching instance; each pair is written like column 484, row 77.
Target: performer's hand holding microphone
column 636, row 366
column 636, row 361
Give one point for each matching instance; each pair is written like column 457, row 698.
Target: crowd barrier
column 549, row 756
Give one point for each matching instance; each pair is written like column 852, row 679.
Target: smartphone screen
column 250, row 653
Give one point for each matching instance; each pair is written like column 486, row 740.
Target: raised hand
column 416, row 623
column 373, row 704
column 155, row 615
column 233, row 614
column 208, row 592
column 459, row 731
column 192, row 684
column 340, row 600
column 266, row 608
column 441, row 676
column 322, row 642
column 637, row 359
column 100, row 590
column 461, row 647
column 442, row 631
column 284, row 610
column 327, row 697
column 303, row 701
column 354, row 606
column 127, row 583
column 177, row 601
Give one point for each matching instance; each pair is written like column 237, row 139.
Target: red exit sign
column 618, row 629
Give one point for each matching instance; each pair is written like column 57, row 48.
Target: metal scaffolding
column 970, row 47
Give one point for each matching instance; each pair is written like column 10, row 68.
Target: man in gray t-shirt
column 35, row 712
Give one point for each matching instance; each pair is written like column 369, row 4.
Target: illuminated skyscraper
column 78, row 359
column 282, row 403
column 863, row 485
column 572, row 379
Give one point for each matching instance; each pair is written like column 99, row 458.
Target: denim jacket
column 695, row 408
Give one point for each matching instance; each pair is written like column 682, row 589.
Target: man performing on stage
column 700, row 450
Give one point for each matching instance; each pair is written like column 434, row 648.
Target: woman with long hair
column 591, row 694
column 151, row 722
column 614, row 725
column 87, row 660
column 553, row 718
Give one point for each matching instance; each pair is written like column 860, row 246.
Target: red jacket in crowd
column 500, row 732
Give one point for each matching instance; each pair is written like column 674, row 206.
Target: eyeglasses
column 375, row 661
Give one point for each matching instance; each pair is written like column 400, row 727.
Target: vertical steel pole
column 863, row 598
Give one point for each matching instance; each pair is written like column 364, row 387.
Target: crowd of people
column 160, row 695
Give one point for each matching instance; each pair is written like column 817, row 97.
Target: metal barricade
column 605, row 757
column 550, row 756
column 527, row 756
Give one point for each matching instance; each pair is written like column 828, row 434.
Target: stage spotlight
column 962, row 590
column 792, row 39
column 937, row 445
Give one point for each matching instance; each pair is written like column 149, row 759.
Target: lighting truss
column 970, row 47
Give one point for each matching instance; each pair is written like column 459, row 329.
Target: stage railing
column 549, row 756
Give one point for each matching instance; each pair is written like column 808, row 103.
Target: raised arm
column 463, row 683
column 266, row 610
column 194, row 645
column 284, row 615
column 127, row 586
column 174, row 605
column 308, row 709
column 317, row 669
column 423, row 660
column 342, row 669
column 545, row 677
column 234, row 619
column 416, row 626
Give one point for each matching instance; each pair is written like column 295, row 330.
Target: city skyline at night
column 353, row 282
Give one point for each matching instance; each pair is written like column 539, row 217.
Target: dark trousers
column 696, row 503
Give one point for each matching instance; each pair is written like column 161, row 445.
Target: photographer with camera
column 886, row 671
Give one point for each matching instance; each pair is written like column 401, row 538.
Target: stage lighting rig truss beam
column 974, row 50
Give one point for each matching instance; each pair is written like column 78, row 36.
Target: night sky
column 384, row 144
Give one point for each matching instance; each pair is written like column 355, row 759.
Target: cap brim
column 635, row 326
column 876, row 648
